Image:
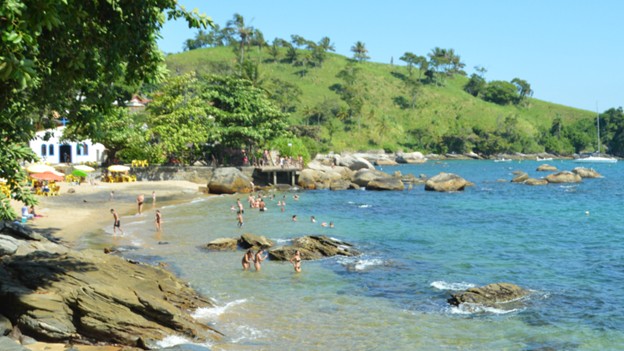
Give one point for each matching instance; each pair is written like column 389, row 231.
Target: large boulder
column 365, row 176
column 5, row 326
column 445, row 182
column 308, row 178
column 229, row 180
column 313, row 247
column 93, row 297
column 586, row 172
column 353, row 162
column 492, row 295
column 520, row 177
column 564, row 177
column 534, row 181
column 546, row 168
column 249, row 240
column 388, row 183
column 411, row 158
column 223, row 244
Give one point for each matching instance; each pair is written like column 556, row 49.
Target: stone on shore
column 229, row 180
column 313, row 247
column 446, row 182
column 564, row 177
column 8, row 245
column 62, row 294
column 491, row 295
column 546, row 168
column 5, row 325
column 388, row 183
column 365, row 176
column 411, row 158
column 353, row 162
column 586, row 172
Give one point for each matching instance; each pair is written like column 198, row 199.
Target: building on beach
column 55, row 151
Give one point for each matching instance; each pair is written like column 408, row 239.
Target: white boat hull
column 595, row 159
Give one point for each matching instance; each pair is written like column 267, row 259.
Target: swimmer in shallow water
column 247, row 259
column 296, row 261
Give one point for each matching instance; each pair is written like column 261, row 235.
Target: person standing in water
column 258, row 259
column 116, row 222
column 239, row 218
column 140, row 200
column 158, row 220
column 247, row 258
column 296, row 261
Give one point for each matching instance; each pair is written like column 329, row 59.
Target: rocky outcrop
column 564, row 177
column 8, row 245
column 318, row 175
column 410, row 158
column 249, row 240
column 353, row 162
column 492, row 295
column 229, row 180
column 534, row 181
column 520, row 177
column 546, row 168
column 313, row 247
column 5, row 326
column 223, row 244
column 586, row 172
column 445, row 182
column 61, row 295
column 387, row 183
column 365, row 176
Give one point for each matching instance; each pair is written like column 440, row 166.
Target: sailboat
column 596, row 158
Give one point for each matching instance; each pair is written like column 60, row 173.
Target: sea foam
column 173, row 340
column 442, row 285
column 210, row 313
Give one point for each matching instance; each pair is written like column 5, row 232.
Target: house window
column 82, row 150
column 51, row 150
column 43, row 150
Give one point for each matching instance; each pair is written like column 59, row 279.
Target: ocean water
column 562, row 242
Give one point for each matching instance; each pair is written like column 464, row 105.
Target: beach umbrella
column 48, row 176
column 118, row 168
column 84, row 168
column 79, row 173
column 39, row 168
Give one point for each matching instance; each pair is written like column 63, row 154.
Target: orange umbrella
column 47, row 176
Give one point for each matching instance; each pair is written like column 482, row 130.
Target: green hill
column 444, row 117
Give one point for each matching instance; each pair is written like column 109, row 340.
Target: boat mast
column 598, row 127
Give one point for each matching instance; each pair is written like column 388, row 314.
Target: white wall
column 94, row 152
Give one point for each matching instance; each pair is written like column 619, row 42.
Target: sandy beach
column 70, row 215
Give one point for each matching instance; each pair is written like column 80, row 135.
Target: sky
column 569, row 51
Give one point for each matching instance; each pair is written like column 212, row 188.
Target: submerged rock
column 249, row 240
column 491, row 295
column 223, row 244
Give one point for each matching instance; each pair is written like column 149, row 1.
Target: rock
column 19, row 231
column 8, row 245
column 229, row 180
column 473, row 155
column 533, row 181
column 5, row 326
column 354, row 163
column 308, row 179
column 8, row 344
column 340, row 184
column 249, row 240
column 520, row 177
column 586, row 172
column 491, row 295
column 95, row 297
column 223, row 244
column 564, row 177
column 389, row 183
column 385, row 161
column 411, row 158
column 313, row 247
column 364, row 176
column 445, row 182
column 546, row 168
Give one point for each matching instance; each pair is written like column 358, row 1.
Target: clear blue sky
column 570, row 51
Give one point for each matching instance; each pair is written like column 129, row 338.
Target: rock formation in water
column 492, row 295
column 445, row 182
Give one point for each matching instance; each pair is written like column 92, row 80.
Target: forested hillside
column 339, row 103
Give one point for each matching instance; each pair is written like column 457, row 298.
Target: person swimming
column 258, row 259
column 296, row 261
column 247, row 259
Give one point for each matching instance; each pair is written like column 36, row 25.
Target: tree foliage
column 53, row 51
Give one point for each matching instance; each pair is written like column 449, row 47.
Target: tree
column 500, row 92
column 475, row 85
column 237, row 27
column 411, row 60
column 351, row 89
column 360, row 53
column 523, row 87
column 52, row 52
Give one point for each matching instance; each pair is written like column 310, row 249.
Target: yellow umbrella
column 84, row 168
column 39, row 168
column 118, row 168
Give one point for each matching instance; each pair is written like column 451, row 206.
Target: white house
column 54, row 151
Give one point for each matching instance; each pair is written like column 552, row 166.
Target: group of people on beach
column 140, row 200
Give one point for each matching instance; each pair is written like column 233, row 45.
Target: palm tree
column 360, row 53
column 326, row 44
column 237, row 26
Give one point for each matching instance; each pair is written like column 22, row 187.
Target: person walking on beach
column 296, row 261
column 247, row 258
column 158, row 220
column 140, row 200
column 116, row 222
column 259, row 258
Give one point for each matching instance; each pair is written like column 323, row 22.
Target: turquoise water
column 563, row 242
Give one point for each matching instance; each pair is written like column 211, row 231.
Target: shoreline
column 69, row 216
